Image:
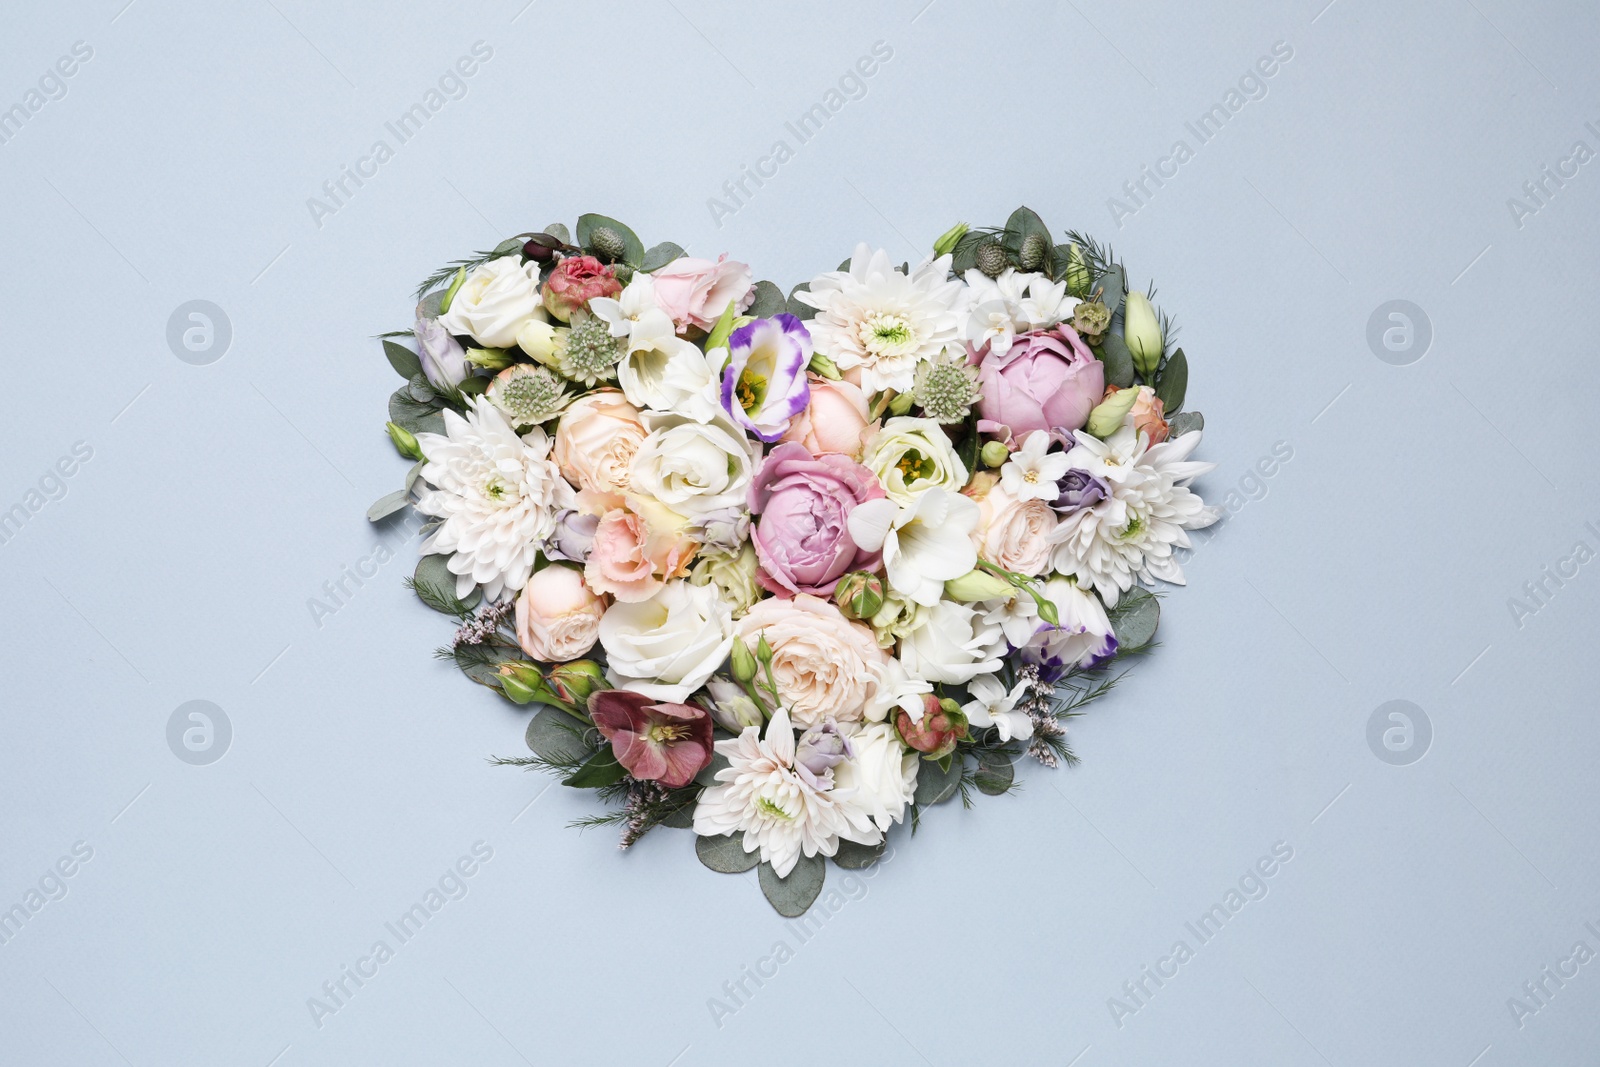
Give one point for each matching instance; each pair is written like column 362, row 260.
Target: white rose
column 954, row 644
column 667, row 646
column 733, row 576
column 910, row 456
column 495, row 302
column 879, row 780
column 691, row 467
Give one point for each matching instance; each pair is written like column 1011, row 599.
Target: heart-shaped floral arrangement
column 787, row 570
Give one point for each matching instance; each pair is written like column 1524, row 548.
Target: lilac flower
column 443, row 360
column 1079, row 490
column 764, row 381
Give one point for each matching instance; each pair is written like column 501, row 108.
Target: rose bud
column 859, row 595
column 1141, row 331
column 744, row 664
column 573, row 682
column 994, row 453
column 575, row 281
column 942, row 724
column 522, row 683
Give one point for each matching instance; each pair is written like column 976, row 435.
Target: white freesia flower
column 623, row 312
column 879, row 778
column 781, row 808
column 692, row 467
column 924, row 545
column 495, row 301
column 667, row 646
column 660, row 370
column 991, row 705
column 954, row 644
column 883, row 321
column 1017, row 617
column 1011, row 304
column 896, row 690
column 1130, row 535
column 497, row 494
column 911, row 455
column 1033, row 470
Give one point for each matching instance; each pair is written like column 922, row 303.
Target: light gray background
column 1377, row 566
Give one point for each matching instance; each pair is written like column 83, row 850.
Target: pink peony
column 695, row 292
column 834, row 421
column 576, row 281
column 635, row 550
column 1047, row 380
column 558, row 618
column 803, row 502
column 666, row 743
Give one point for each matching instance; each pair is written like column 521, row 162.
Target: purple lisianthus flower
column 1083, row 640
column 821, row 748
column 443, row 360
column 764, row 381
column 573, row 536
column 1079, row 490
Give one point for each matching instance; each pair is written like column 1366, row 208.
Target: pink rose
column 1148, row 414
column 595, row 442
column 1047, row 380
column 1011, row 533
column 695, row 292
column 654, row 741
column 825, row 665
column 558, row 618
column 635, row 550
column 834, row 421
column 576, row 281
column 803, row 502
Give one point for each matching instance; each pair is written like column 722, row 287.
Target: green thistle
column 1034, row 250
column 528, row 394
column 590, row 353
column 945, row 390
column 991, row 258
column 607, row 244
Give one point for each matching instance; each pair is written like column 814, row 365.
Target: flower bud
column 821, row 748
column 575, row 681
column 991, row 259
column 900, row 404
column 994, row 453
column 522, row 683
column 539, row 339
column 537, row 252
column 936, row 731
column 731, row 706
column 821, row 364
column 1141, row 331
column 1077, row 272
column 489, row 358
column 405, row 442
column 1107, row 416
column 450, row 293
column 763, row 650
column 1033, row 252
column 743, row 663
column 978, row 584
column 859, row 595
column 948, row 240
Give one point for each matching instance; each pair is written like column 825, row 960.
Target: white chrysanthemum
column 497, row 494
column 780, row 807
column 875, row 317
column 1011, row 304
column 1130, row 535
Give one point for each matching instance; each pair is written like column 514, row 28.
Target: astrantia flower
column 924, row 545
column 527, row 394
column 992, row 705
column 588, row 353
column 945, row 389
column 1033, row 471
column 780, row 806
column 883, row 321
column 1011, row 304
column 764, row 380
column 1130, row 535
column 497, row 494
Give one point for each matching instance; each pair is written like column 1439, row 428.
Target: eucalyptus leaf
column 428, row 306
column 791, row 896
column 479, row 662
column 506, row 247
column 414, row 473
column 388, row 505
column 1115, row 284
column 853, row 857
column 935, row 784
column 1173, row 382
column 633, row 254
column 436, row 587
column 996, row 773
column 725, row 853
column 418, row 418
column 554, row 735
column 658, row 256
column 421, row 389
column 682, row 818
column 800, row 310
column 559, row 231
column 474, row 386
column 1024, row 223
column 707, row 775
column 769, row 301
column 600, row 769
column 405, row 362
column 1185, row 422
column 1135, row 618
column 1112, row 351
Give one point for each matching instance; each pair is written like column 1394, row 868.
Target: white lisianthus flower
column 667, row 646
column 879, row 778
column 896, row 690
column 1011, row 304
column 875, row 317
column 991, row 705
column 692, row 467
column 497, row 494
column 781, row 807
column 495, row 302
column 924, row 545
column 954, row 644
column 911, row 455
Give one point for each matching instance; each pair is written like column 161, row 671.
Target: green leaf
column 405, row 362
column 1173, row 382
column 1113, row 353
column 559, row 231
column 1022, row 224
column 1115, row 284
column 682, row 818
column 480, row 662
column 421, row 389
column 506, row 247
column 633, row 253
column 725, row 853
column 791, row 896
column 1135, row 618
column 436, row 587
column 965, row 256
column 598, row 770
column 995, row 772
column 769, row 301
column 801, row 311
column 388, row 505
column 707, row 775
column 473, row 386
column 554, row 735
column 936, row 785
column 1185, row 422
column 853, row 857
column 658, row 256
column 414, row 473
column 418, row 418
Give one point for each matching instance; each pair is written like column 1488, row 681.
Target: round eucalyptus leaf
column 682, row 819
column 1185, row 422
column 798, row 309
column 934, row 784
column 436, row 587
column 555, row 735
column 769, row 301
column 853, row 857
column 388, row 505
column 1113, row 352
column 1135, row 619
column 791, row 896
column 725, row 853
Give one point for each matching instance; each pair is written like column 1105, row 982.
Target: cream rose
column 734, row 576
column 912, row 455
column 835, row 420
column 1012, row 533
column 495, row 302
column 880, row 779
column 824, row 664
column 693, row 468
column 558, row 618
column 667, row 646
column 595, row 443
column 954, row 644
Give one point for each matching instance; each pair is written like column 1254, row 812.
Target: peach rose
column 824, row 664
column 636, row 549
column 558, row 618
column 1010, row 533
column 595, row 442
column 834, row 421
